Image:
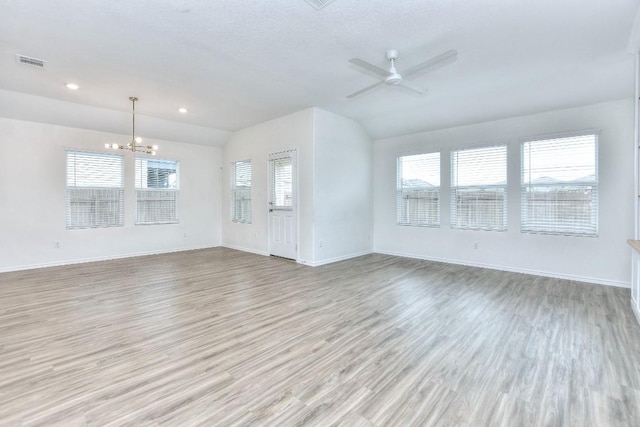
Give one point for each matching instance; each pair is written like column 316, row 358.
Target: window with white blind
column 156, row 191
column 95, row 191
column 418, row 190
column 479, row 188
column 560, row 185
column 241, row 191
column 281, row 183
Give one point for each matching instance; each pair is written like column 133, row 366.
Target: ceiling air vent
column 27, row 60
column 318, row 4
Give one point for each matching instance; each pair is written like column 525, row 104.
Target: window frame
column 234, row 193
column 400, row 189
column 142, row 190
column 525, row 226
column 482, row 187
column 117, row 190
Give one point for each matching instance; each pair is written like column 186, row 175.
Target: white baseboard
column 243, row 249
column 595, row 280
column 101, row 258
column 336, row 259
column 301, row 261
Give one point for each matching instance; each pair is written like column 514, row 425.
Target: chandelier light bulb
column 114, row 146
column 107, row 145
column 154, row 147
column 138, row 140
column 153, row 153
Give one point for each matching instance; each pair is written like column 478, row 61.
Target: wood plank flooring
column 218, row 337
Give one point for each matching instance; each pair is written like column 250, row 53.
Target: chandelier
column 136, row 142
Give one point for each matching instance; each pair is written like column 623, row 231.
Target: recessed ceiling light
column 72, row 86
column 182, row 110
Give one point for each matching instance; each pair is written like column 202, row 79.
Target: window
column 95, row 192
column 241, row 192
column 156, row 191
column 560, row 185
column 282, row 182
column 479, row 188
column 418, row 190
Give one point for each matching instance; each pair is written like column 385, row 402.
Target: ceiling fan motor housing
column 394, row 77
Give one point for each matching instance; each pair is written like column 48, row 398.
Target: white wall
column 343, row 192
column 604, row 259
column 294, row 131
column 32, row 194
column 33, row 108
column 334, row 176
column 334, row 185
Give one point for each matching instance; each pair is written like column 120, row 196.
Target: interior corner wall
column 343, row 193
column 603, row 259
column 291, row 132
column 32, row 190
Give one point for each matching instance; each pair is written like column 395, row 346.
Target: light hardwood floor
column 221, row 337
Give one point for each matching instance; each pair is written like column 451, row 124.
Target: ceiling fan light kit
column 393, row 77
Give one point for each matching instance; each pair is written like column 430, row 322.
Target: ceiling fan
column 393, row 78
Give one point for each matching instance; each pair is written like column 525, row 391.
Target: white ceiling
column 235, row 63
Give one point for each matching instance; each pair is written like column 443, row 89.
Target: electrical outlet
column 320, row 243
column 475, row 245
column 56, row 244
column 185, row 234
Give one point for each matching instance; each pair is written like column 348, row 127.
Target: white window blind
column 95, row 192
column 156, row 191
column 282, row 182
column 560, row 185
column 479, row 188
column 241, row 192
column 418, row 190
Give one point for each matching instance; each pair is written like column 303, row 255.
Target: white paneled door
column 283, row 216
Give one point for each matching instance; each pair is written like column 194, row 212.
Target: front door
column 283, row 225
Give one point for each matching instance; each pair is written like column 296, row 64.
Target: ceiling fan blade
column 411, row 87
column 366, row 89
column 431, row 64
column 367, row 66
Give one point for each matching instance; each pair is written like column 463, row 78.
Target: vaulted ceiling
column 235, row 63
